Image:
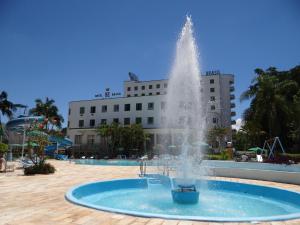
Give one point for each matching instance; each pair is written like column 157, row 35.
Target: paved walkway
column 27, row 200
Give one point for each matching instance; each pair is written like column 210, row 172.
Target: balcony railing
column 233, row 122
column 232, row 105
column 231, row 89
column 232, row 97
column 233, row 113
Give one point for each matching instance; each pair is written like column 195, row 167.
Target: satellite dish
column 133, row 77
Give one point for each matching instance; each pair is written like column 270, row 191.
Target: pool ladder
column 143, row 166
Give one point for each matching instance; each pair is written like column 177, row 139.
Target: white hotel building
column 143, row 102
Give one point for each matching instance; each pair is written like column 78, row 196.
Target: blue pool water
column 219, row 200
column 112, row 162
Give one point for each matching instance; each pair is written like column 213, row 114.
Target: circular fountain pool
column 218, row 201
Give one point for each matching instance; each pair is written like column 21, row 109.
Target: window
column 68, row 123
column 163, row 106
column 163, row 120
column 157, row 93
column 81, row 123
column 143, row 94
column 212, row 90
column 150, row 93
column 181, row 105
column 92, row 123
column 78, row 139
column 127, row 121
column 127, row 107
column 103, row 121
column 212, row 107
column 181, row 120
column 211, row 81
column 143, row 87
column 212, row 98
column 150, row 86
column 136, row 88
column 150, row 120
column 104, row 108
column 128, row 88
column 93, row 109
column 215, row 120
column 135, row 95
column 128, row 95
column 138, row 106
column 138, row 120
column 90, row 139
column 116, row 120
column 81, row 110
column 116, row 108
column 165, row 85
column 150, row 106
column 69, row 111
column 158, row 86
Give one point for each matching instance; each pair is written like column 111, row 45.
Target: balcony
column 231, row 89
column 233, row 122
column 232, row 97
column 232, row 105
column 233, row 113
column 231, row 82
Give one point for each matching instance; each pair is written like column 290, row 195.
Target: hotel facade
column 143, row 102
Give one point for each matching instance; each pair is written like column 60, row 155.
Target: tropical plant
column 274, row 107
column 37, row 141
column 3, row 149
column 104, row 131
column 217, row 135
column 49, row 111
column 7, row 108
column 129, row 138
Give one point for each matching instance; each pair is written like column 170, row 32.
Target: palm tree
column 49, row 111
column 7, row 108
column 104, row 131
column 268, row 104
column 217, row 134
column 274, row 105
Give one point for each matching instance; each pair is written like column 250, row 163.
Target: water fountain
column 175, row 195
column 183, row 112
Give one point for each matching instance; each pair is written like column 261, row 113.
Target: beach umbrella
column 255, row 149
column 35, row 133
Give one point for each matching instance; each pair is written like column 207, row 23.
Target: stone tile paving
column 39, row 199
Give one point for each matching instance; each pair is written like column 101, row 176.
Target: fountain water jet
column 183, row 109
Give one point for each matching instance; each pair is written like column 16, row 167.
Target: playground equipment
column 271, row 144
column 23, row 124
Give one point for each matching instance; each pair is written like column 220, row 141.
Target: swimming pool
column 219, row 200
column 110, row 162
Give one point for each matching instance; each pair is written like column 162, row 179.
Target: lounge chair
column 9, row 167
column 26, row 163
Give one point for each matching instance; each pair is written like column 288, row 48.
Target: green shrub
column 42, row 168
column 3, row 148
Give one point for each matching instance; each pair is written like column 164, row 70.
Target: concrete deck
column 27, row 200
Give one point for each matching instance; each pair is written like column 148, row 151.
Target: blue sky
column 72, row 49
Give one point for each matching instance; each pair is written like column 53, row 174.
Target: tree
column 130, row 138
column 104, row 131
column 274, row 107
column 49, row 111
column 217, row 135
column 7, row 108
